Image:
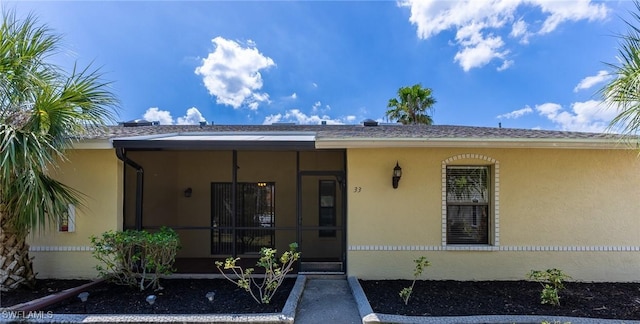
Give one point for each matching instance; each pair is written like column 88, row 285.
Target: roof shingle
column 357, row 131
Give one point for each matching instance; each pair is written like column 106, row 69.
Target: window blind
column 467, row 205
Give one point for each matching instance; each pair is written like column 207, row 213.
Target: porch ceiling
column 221, row 140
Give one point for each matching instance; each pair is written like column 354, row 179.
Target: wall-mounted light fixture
column 397, row 173
column 188, row 192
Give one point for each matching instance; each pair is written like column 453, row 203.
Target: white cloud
column 260, row 97
column 478, row 50
column 560, row 11
column 519, row 29
column 155, row 114
column 588, row 116
column 298, row 117
column 590, row 81
column 294, row 96
column 505, row 65
column 478, row 22
column 193, row 117
column 317, row 108
column 548, row 109
column 516, row 113
column 272, row 119
column 231, row 73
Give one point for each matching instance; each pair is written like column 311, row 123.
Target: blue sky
column 524, row 63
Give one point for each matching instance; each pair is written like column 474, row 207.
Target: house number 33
column 357, row 189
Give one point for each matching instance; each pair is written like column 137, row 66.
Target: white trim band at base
column 62, row 248
column 528, row 248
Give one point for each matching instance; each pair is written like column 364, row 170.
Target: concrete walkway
column 327, row 301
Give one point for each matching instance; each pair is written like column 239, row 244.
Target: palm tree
column 42, row 110
column 623, row 91
column 412, row 107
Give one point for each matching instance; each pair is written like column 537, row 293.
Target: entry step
column 320, row 266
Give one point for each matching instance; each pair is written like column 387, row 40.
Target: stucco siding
column 479, row 265
column 97, row 174
column 571, row 209
column 570, row 198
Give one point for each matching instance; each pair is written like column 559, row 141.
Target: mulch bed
column 430, row 298
column 179, row 296
column 458, row 298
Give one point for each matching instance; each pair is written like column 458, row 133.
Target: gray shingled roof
column 359, row 132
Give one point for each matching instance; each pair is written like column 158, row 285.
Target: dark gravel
column 430, row 298
column 179, row 296
column 44, row 287
column 458, row 298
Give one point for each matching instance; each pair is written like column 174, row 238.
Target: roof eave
column 92, row 144
column 345, row 143
column 192, row 141
column 213, row 145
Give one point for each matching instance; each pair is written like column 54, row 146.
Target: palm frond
column 622, row 93
column 42, row 109
column 42, row 202
column 413, row 107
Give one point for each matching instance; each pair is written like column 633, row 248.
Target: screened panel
column 467, row 205
column 327, row 205
column 254, row 217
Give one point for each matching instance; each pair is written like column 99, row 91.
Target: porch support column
column 298, row 199
column 234, row 197
column 345, row 201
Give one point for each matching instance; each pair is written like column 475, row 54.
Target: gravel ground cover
column 179, row 296
column 457, row 298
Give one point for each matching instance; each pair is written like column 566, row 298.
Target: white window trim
column 495, row 208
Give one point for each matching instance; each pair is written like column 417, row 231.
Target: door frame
column 341, row 227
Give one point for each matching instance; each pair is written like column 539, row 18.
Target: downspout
column 121, row 154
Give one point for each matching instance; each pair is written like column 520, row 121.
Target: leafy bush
column 552, row 282
column 421, row 263
column 136, row 258
column 274, row 273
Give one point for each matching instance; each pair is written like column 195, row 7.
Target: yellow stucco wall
column 557, row 208
column 571, row 209
column 97, row 174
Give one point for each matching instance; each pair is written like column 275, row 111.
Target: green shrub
column 274, row 273
column 136, row 258
column 552, row 282
column 421, row 263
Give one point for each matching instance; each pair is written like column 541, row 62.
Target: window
column 253, row 221
column 467, row 200
column 66, row 221
column 327, row 202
